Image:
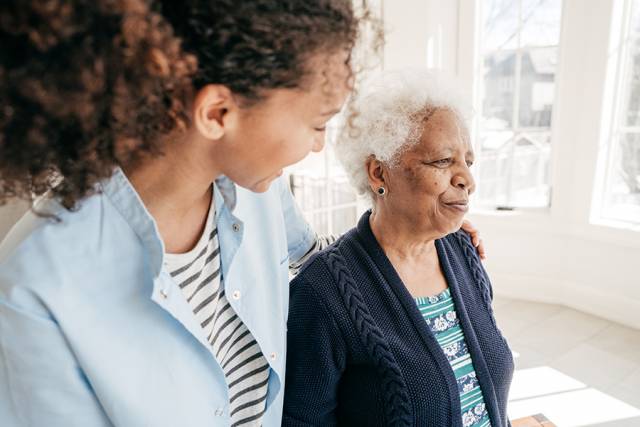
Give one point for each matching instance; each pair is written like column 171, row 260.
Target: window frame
column 614, row 123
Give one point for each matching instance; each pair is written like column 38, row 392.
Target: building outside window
column 519, row 57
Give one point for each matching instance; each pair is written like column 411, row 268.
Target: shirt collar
column 227, row 191
column 126, row 200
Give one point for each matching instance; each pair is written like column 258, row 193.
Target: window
column 621, row 198
column 519, row 56
column 323, row 192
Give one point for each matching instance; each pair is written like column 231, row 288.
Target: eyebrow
column 449, row 151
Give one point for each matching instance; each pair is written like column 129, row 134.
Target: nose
column 318, row 143
column 464, row 180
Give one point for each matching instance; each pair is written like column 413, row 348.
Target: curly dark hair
column 89, row 85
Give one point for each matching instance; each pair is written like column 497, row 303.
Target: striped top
column 236, row 351
column 440, row 314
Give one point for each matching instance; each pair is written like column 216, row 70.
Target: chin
column 262, row 186
column 451, row 227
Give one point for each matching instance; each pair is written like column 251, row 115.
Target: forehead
column 323, row 90
column 444, row 130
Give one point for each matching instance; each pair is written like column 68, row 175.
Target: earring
column 382, row 191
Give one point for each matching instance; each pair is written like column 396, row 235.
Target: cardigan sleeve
column 315, row 358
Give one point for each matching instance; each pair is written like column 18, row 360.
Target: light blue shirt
column 94, row 331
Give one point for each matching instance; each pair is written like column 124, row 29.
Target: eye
column 443, row 162
column 321, row 129
column 469, row 163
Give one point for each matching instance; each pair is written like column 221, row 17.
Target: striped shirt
column 236, row 351
column 440, row 314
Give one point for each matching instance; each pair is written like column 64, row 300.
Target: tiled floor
column 577, row 369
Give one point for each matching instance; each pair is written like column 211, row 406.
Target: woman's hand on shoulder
column 475, row 238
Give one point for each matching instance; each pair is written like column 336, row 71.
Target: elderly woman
column 392, row 325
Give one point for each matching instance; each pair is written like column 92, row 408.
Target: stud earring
column 382, row 191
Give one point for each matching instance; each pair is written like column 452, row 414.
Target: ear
column 376, row 173
column 211, row 110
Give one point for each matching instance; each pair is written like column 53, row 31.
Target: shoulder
column 324, row 271
column 459, row 237
column 42, row 251
column 460, row 243
column 330, row 259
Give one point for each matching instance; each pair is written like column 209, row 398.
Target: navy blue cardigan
column 361, row 354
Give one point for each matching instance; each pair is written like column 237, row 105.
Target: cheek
column 292, row 147
column 429, row 183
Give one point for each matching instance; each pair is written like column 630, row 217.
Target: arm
column 302, row 241
column 315, row 360
column 320, row 243
column 40, row 380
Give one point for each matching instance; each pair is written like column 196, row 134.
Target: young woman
column 150, row 285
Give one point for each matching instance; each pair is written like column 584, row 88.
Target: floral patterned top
column 440, row 314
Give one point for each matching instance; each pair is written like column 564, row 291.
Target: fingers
column 481, row 250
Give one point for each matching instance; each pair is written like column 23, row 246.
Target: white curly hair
column 391, row 114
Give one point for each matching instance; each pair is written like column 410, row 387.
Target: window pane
column 632, row 69
column 500, row 21
column 344, row 219
column 530, row 175
column 537, row 87
column 621, row 198
column 635, row 18
column 492, row 167
column 540, row 23
column 341, row 191
column 320, row 222
column 633, row 82
column 499, row 87
column 514, row 170
column 519, row 68
column 309, row 191
column 623, row 187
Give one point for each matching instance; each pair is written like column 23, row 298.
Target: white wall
column 555, row 255
column 420, row 34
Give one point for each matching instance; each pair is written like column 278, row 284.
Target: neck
column 176, row 190
column 399, row 239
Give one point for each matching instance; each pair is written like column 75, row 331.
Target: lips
column 458, row 205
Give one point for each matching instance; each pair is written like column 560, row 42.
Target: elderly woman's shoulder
column 461, row 242
column 319, row 269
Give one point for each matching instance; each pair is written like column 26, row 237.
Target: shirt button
column 164, row 293
column 219, row 412
column 236, row 294
column 273, row 356
column 236, row 227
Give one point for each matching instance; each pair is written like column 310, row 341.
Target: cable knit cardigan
column 361, row 354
